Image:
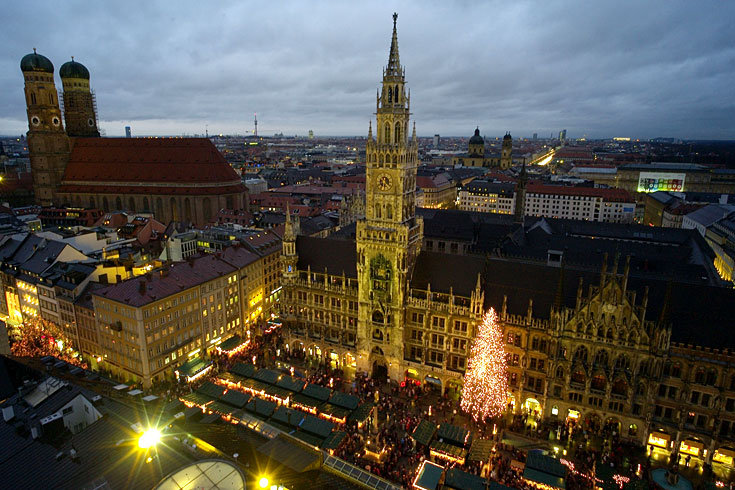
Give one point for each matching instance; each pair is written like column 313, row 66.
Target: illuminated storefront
column 692, row 447
column 725, row 456
column 660, row 440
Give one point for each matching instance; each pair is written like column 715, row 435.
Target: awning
column 461, row 480
column 428, row 476
column 454, row 434
column 334, row 411
column 424, row 432
column 243, row 369
column 288, row 417
column 192, row 367
column 235, row 398
column 267, row 376
column 317, row 426
column 306, row 401
column 362, row 412
column 448, row 451
column 333, row 440
column 659, row 439
column 231, row 344
column 344, row 400
column 211, row 389
column 291, row 384
column 316, row 391
column 260, row 407
column 545, row 478
column 481, row 450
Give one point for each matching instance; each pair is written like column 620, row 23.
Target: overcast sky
column 600, row 69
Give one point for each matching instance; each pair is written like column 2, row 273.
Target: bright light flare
column 263, row 482
column 546, row 160
column 149, row 438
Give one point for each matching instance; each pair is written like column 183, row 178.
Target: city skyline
column 611, row 71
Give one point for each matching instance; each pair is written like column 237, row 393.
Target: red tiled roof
column 154, row 160
column 619, row 195
column 157, row 285
column 199, row 190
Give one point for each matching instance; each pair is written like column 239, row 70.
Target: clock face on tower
column 384, row 182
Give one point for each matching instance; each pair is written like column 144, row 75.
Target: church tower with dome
column 79, row 105
column 48, row 144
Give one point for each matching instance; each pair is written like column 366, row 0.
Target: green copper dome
column 73, row 69
column 476, row 138
column 36, row 62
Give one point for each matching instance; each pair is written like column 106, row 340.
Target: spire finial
column 34, row 50
column 394, row 63
column 72, row 58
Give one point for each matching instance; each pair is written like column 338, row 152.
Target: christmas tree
column 485, row 390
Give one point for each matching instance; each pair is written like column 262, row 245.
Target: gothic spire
column 394, row 62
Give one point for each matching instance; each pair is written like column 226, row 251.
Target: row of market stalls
column 660, row 444
column 312, row 413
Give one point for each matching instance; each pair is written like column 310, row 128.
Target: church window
column 377, row 211
column 33, row 98
column 390, row 94
column 118, row 203
column 398, row 132
column 386, row 132
column 389, row 212
column 396, row 94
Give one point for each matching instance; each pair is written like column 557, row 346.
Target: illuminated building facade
column 583, row 342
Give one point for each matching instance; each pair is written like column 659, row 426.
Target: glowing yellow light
column 149, row 438
column 263, row 482
column 486, row 382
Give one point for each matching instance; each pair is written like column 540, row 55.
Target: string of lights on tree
column 37, row 337
column 485, row 390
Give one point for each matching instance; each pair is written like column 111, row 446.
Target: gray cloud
column 596, row 68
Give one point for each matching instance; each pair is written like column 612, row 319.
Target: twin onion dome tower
column 48, row 143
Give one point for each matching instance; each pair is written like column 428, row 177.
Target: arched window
column 389, row 212
column 131, row 203
column 578, row 377
column 601, row 358
column 91, row 202
column 105, row 204
column 159, row 208
column 598, row 383
column 395, row 93
column 711, row 377
column 146, row 205
column 118, row 203
column 377, row 211
column 580, row 354
column 174, row 209
column 386, row 135
column 377, row 334
column 390, row 94
column 609, row 333
column 622, row 362
column 560, row 372
column 632, row 430
column 377, row 316
column 398, row 132
column 33, row 98
column 620, row 387
column 699, row 376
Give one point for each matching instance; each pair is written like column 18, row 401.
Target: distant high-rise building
column 535, row 136
column 563, row 135
column 311, row 134
column 437, row 140
column 127, row 132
